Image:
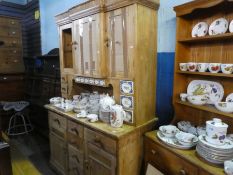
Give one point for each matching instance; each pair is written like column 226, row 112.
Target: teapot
column 117, row 116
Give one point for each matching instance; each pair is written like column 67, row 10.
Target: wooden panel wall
column 30, row 26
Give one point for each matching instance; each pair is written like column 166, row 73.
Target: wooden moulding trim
column 124, row 3
column 188, row 8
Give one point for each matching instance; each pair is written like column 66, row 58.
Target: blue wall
column 166, row 46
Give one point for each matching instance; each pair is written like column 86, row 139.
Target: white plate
column 219, row 26
column 231, row 26
column 172, row 141
column 226, row 146
column 126, row 87
column 128, row 116
column 213, row 89
column 127, row 101
column 229, row 98
column 200, row 29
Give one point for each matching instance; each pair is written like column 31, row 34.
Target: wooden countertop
column 100, row 126
column 189, row 155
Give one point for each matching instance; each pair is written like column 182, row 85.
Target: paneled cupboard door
column 66, row 52
column 99, row 161
column 89, row 53
column 58, row 153
column 121, row 42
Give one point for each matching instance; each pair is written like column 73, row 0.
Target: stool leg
column 24, row 123
column 10, row 123
column 29, row 122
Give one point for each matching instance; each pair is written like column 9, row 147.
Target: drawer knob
column 75, row 130
column 57, row 121
column 153, row 152
column 97, row 140
column 182, row 172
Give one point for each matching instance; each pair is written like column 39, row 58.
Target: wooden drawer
column 9, row 22
column 75, row 158
column 75, row 135
column 10, row 52
column 64, row 88
column 57, row 122
column 10, row 32
column 166, row 161
column 100, row 140
column 11, row 42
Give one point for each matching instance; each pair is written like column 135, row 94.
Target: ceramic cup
column 228, row 167
column 183, row 66
column 202, row 67
column 216, row 131
column 227, row 68
column 192, row 67
column 169, row 130
column 183, row 96
column 214, row 67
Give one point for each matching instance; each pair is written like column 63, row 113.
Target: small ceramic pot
column 216, row 131
column 169, row 130
column 117, row 116
column 183, row 66
column 198, row 99
column 214, row 67
column 192, row 67
column 183, row 96
column 228, row 167
column 227, row 68
column 202, row 67
column 92, row 117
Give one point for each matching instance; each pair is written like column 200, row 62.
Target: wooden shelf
column 206, row 74
column 222, row 37
column 208, row 108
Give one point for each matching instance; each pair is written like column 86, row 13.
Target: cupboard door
column 120, row 31
column 58, row 153
column 100, row 162
column 66, row 60
column 87, row 36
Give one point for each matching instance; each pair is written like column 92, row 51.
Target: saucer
column 219, row 26
column 200, row 29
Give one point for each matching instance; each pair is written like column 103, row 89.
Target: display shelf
column 206, row 74
column 207, row 108
column 222, row 37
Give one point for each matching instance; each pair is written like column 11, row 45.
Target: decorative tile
column 129, row 116
column 127, row 101
column 126, row 87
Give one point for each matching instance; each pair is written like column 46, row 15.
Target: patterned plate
column 219, row 26
column 200, row 29
column 213, row 89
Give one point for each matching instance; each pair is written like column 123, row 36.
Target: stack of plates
column 213, row 153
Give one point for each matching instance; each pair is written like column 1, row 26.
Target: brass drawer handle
column 182, row 172
column 75, row 130
column 57, row 121
column 97, row 140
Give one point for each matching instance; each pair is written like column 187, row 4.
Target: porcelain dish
column 200, row 29
column 214, row 90
column 227, row 68
column 198, row 99
column 224, row 106
column 126, row 87
column 186, row 139
column 219, row 26
column 169, row 130
column 229, row 98
column 231, row 27
column 172, row 141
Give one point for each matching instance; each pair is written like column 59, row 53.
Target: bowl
column 198, row 99
column 192, row 67
column 183, row 66
column 202, row 67
column 186, row 139
column 224, row 106
column 169, row 130
column 227, row 68
column 55, row 100
column 214, row 67
column 184, row 125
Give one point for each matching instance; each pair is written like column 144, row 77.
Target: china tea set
column 92, row 106
column 212, row 142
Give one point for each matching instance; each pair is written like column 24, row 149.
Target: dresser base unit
column 78, row 146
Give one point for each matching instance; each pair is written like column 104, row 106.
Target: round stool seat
column 19, row 122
